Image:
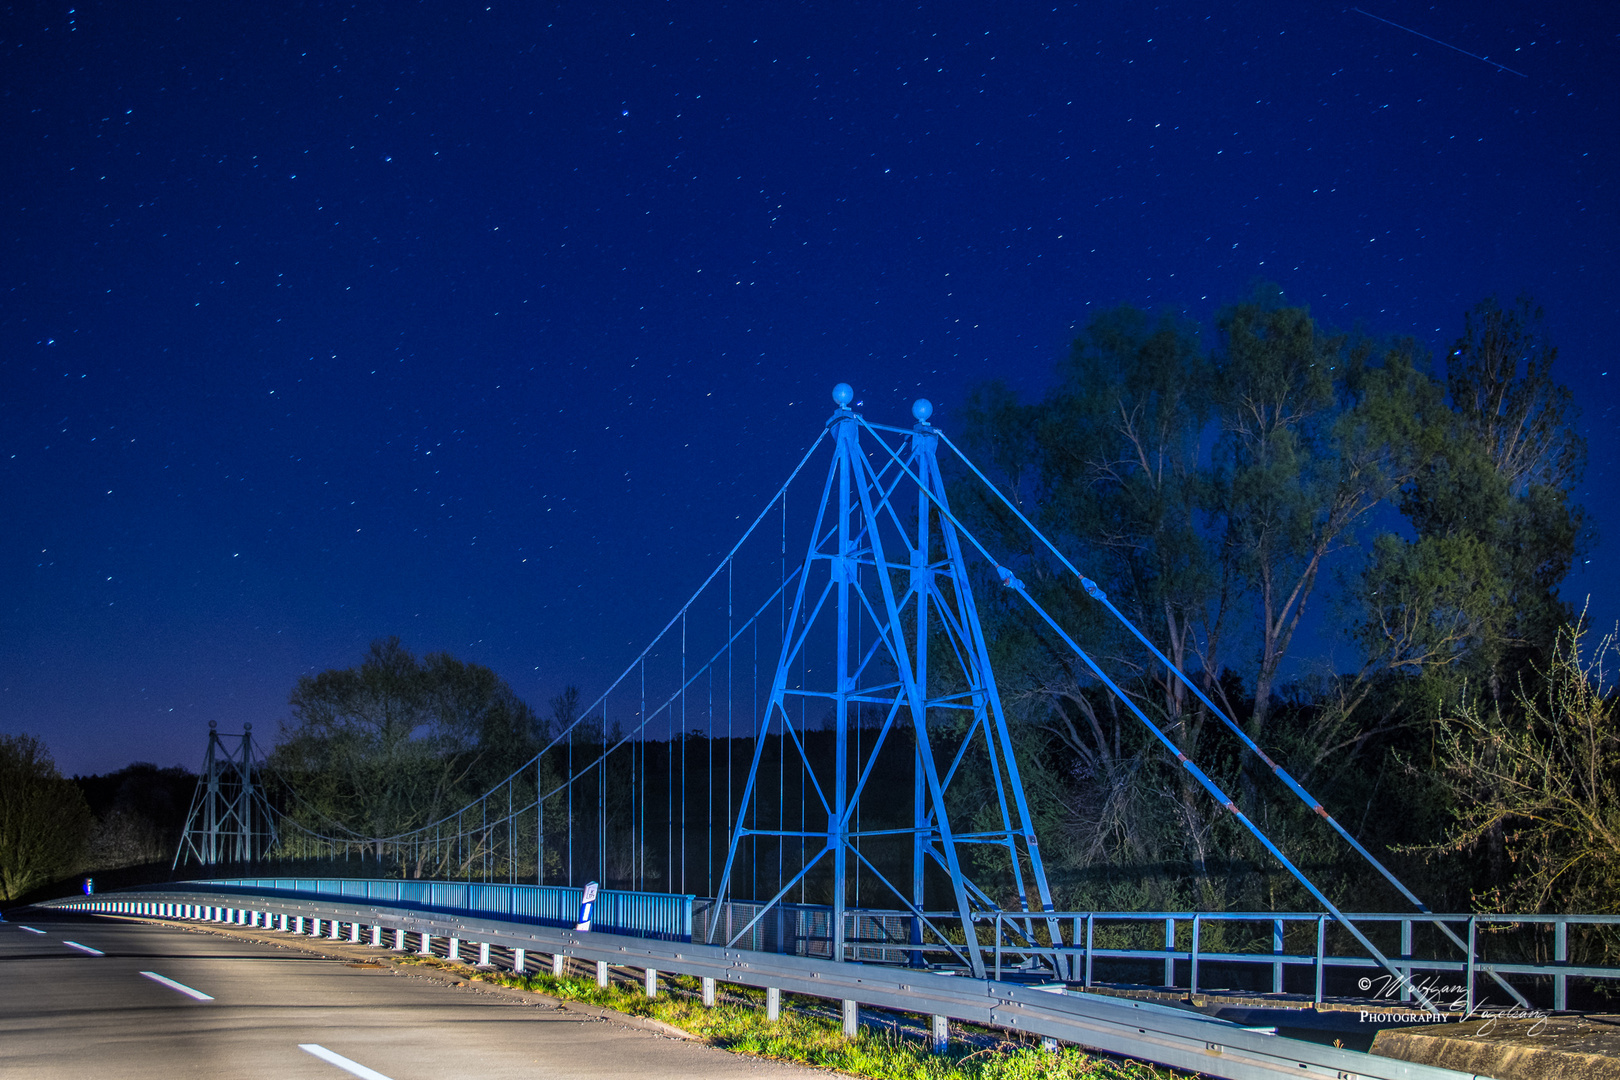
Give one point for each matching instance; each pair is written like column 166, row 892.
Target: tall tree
column 1207, row 492
column 1315, row 436
column 397, row 742
column 44, row 821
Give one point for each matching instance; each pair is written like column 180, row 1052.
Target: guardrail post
column 852, row 1018
column 1321, row 947
column 1193, row 976
column 454, row 955
column 354, row 933
column 1406, row 954
column 708, row 992
column 426, row 945
column 1276, row 950
column 314, row 927
column 1472, row 928
column 649, row 982
column 298, row 924
column 483, row 954
column 773, row 1003
column 518, row 957
column 558, row 962
column 1560, row 955
column 336, row 926
column 1169, row 947
column 399, row 939
column 940, row 1030
column 376, row 937
column 602, row 974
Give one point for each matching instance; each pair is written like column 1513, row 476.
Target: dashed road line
column 353, row 1068
column 172, row 985
column 30, row 929
column 83, row 948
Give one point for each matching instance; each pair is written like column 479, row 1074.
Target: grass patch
column 738, row 1024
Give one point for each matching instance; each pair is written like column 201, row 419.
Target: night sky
column 489, row 326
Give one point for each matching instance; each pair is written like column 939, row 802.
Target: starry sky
column 488, row 325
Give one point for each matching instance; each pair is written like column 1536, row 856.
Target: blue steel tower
column 884, row 636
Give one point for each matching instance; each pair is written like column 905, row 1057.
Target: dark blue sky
column 483, row 324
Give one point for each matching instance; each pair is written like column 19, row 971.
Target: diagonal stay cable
column 1010, row 581
column 1277, row 770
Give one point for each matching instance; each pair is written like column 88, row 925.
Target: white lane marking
column 354, row 1068
column 84, row 948
column 172, row 985
column 31, row 930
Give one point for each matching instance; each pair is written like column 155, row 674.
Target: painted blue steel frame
column 847, row 587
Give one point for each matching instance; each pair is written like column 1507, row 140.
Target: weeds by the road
column 738, row 1023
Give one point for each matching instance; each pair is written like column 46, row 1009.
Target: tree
column 1109, row 464
column 1541, row 770
column 396, row 742
column 1206, row 492
column 44, row 822
column 1503, row 482
column 1315, row 436
column 1218, row 495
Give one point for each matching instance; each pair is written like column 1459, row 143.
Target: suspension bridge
column 815, row 739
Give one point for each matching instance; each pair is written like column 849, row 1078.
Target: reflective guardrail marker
column 586, row 903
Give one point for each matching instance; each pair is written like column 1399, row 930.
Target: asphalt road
column 91, row 998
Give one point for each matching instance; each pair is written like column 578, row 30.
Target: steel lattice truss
column 230, row 821
column 883, row 621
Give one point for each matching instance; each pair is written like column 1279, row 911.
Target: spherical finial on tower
column 247, row 727
column 212, row 724
column 922, row 409
column 843, row 394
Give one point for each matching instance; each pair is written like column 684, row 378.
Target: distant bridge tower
column 230, row 820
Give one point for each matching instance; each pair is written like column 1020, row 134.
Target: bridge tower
column 884, row 637
column 230, row 820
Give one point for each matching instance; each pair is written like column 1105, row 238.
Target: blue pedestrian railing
column 662, row 916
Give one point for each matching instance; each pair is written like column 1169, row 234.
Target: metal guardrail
column 1177, row 1038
